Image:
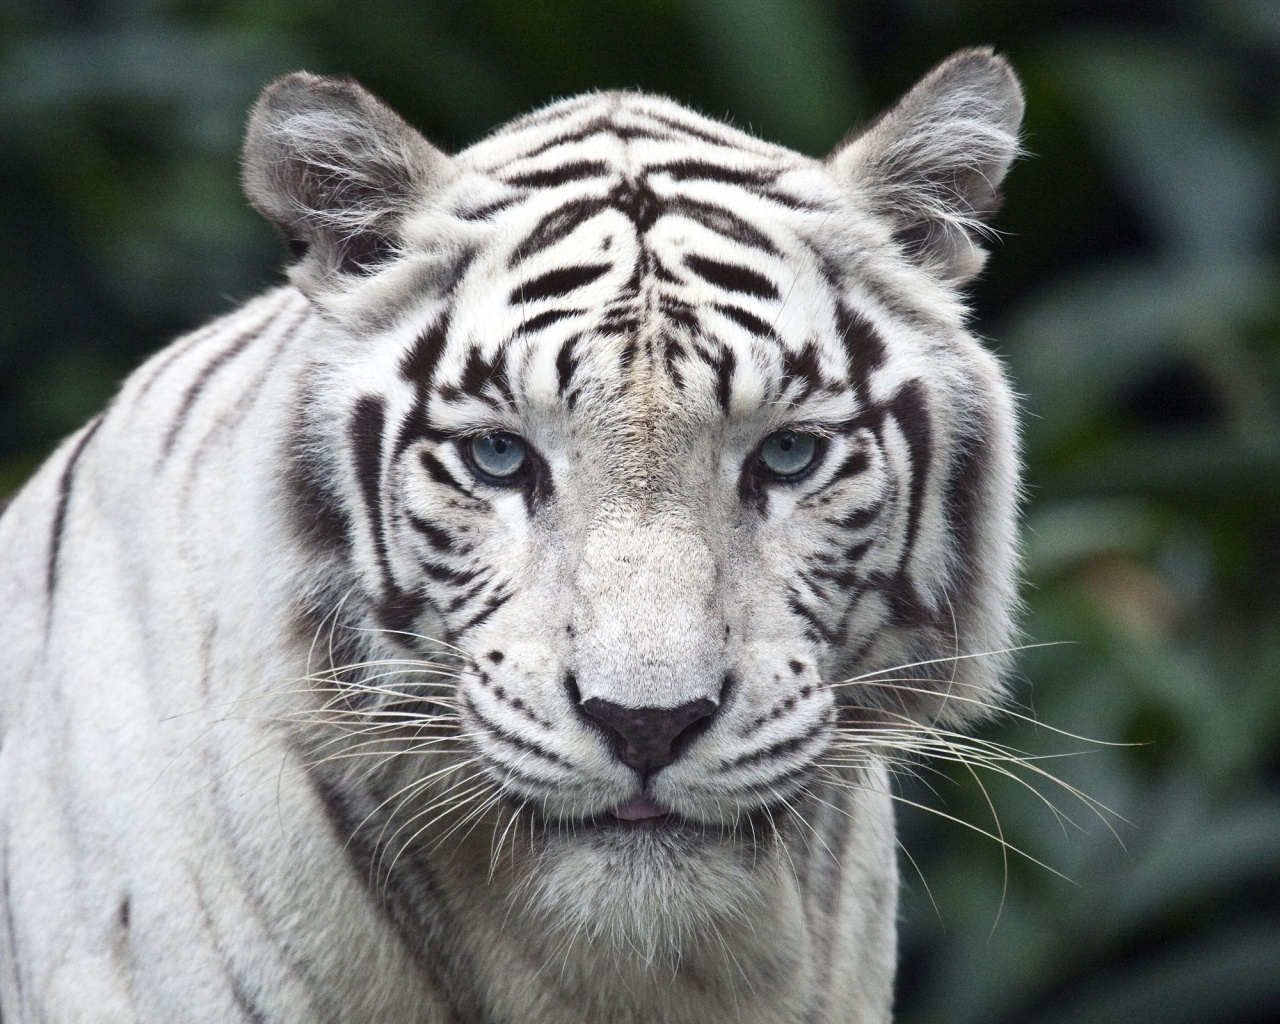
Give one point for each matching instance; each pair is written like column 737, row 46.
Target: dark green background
column 1134, row 295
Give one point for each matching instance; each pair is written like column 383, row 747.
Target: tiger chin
column 515, row 616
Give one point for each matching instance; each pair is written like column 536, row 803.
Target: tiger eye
column 499, row 455
column 788, row 453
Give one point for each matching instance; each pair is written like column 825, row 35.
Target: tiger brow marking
column 724, row 367
column 803, row 368
column 566, row 363
column 65, row 482
column 865, row 350
column 418, row 367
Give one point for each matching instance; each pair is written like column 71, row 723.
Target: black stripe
column 782, row 747
column 627, row 132
column 695, row 131
column 864, row 348
column 318, row 514
column 399, row 610
column 731, row 277
column 843, row 578
column 911, row 413
column 244, row 1003
column 555, row 283
column 749, row 321
column 816, row 629
column 854, row 463
column 419, row 364
column 706, row 170
column 595, row 126
column 511, row 739
column 558, row 224
column 857, row 519
column 566, row 363
column 479, row 376
column 207, row 372
column 490, row 606
column 176, row 351
column 575, row 170
column 722, row 221
column 447, row 574
column 466, row 596
column 802, row 368
column 486, row 210
column 365, row 435
column 6, row 897
column 724, row 368
column 638, row 201
column 546, row 318
column 679, row 313
column 437, row 537
column 966, row 493
column 65, row 482
column 418, row 367
column 437, row 471
column 671, row 353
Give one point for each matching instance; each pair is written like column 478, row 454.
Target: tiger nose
column 649, row 739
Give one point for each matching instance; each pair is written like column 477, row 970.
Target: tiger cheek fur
column 557, row 523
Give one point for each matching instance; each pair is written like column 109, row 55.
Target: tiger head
column 668, row 445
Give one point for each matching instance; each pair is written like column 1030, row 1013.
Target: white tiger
column 464, row 631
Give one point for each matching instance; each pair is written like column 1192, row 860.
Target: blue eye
column 499, row 455
column 788, row 453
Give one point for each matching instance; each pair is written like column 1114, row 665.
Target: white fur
column 224, row 795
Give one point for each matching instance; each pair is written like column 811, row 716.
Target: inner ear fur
column 336, row 170
column 933, row 163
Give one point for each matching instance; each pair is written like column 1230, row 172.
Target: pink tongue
column 638, row 809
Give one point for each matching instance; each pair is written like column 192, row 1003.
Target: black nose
column 648, row 739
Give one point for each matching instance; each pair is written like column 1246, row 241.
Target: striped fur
column 295, row 705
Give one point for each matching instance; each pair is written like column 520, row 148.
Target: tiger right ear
column 933, row 164
column 336, row 170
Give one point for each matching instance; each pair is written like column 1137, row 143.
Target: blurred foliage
column 1135, row 296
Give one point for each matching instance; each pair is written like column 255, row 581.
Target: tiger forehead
column 633, row 259
column 632, row 332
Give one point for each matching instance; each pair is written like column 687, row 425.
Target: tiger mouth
column 642, row 816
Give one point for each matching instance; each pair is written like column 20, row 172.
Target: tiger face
column 663, row 441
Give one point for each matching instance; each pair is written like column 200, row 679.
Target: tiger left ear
column 933, row 164
column 336, row 170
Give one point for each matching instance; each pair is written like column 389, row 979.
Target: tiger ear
column 933, row 163
column 335, row 170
